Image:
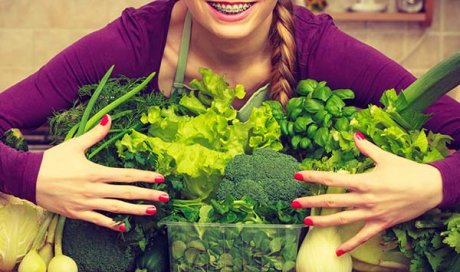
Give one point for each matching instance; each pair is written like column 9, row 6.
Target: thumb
column 96, row 134
column 369, row 149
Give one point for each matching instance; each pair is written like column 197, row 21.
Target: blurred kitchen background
column 33, row 31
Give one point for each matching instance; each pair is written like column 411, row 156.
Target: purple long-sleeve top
column 135, row 42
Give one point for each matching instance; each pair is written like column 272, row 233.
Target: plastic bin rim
column 236, row 225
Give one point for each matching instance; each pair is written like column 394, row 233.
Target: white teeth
column 229, row 8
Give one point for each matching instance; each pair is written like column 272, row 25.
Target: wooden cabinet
column 424, row 17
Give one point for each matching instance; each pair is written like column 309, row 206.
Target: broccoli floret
column 97, row 249
column 246, row 187
column 266, row 177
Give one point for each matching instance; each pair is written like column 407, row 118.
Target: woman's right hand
column 71, row 185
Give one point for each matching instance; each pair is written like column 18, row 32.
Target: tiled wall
column 33, row 31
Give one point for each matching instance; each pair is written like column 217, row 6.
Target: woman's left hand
column 395, row 191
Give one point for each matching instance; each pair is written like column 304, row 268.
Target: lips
column 230, row 8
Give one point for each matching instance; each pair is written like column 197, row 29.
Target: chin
column 231, row 32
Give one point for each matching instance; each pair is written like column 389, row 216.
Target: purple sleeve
column 345, row 62
column 54, row 87
column 18, row 172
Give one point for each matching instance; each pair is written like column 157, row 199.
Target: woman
column 250, row 42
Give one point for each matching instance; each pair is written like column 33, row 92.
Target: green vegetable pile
column 190, row 138
column 231, row 182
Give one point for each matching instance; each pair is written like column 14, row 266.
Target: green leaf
column 192, row 103
column 322, row 137
column 334, row 105
column 344, row 94
column 421, row 142
column 322, row 93
column 313, row 105
column 307, row 86
column 294, row 104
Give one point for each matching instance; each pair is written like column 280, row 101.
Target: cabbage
column 19, row 223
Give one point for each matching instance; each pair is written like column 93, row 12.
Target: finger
column 122, row 207
column 125, row 175
column 369, row 149
column 366, row 233
column 128, row 192
column 102, row 220
column 329, row 201
column 344, row 180
column 336, row 219
column 96, row 134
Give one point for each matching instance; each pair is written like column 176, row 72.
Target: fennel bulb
column 317, row 252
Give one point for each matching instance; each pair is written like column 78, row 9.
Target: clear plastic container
column 233, row 247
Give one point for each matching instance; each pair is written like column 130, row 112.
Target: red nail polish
column 151, row 211
column 164, row 198
column 360, row 136
column 296, row 204
column 339, row 252
column 298, row 176
column 159, row 179
column 104, row 120
column 307, row 221
column 122, row 228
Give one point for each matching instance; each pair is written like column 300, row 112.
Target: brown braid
column 283, row 52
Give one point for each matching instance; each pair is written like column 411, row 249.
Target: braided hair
column 283, row 52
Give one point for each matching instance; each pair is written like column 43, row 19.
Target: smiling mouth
column 231, row 8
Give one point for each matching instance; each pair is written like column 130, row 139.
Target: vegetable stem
column 42, row 232
column 91, row 122
column 58, row 236
column 435, row 83
column 52, row 229
column 92, row 102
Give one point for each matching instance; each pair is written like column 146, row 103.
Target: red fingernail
column 122, row 228
column 360, row 136
column 159, row 179
column 307, row 221
column 164, row 198
column 104, row 120
column 296, row 204
column 151, row 211
column 339, row 252
column 298, row 176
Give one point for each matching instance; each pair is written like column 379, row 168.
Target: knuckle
column 343, row 220
column 97, row 220
column 128, row 175
column 87, row 191
column 364, row 239
column 116, row 208
column 362, row 186
column 328, row 181
column 329, row 202
column 71, row 214
column 369, row 201
column 129, row 194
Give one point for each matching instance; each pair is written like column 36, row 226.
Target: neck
column 232, row 53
